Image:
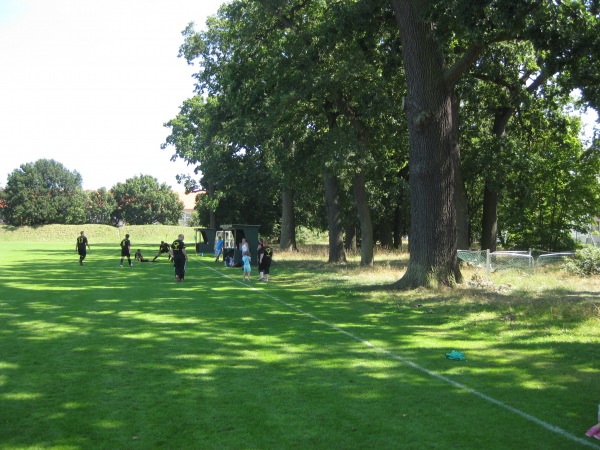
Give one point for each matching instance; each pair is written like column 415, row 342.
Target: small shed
column 205, row 240
column 233, row 243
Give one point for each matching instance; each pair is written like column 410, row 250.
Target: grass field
column 322, row 357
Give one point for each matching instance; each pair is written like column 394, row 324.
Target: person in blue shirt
column 219, row 249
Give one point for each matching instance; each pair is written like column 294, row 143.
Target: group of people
column 178, row 255
column 163, row 248
column 264, row 255
column 176, row 252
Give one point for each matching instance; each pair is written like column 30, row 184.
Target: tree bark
column 350, row 239
column 386, row 234
column 398, row 228
column 489, row 220
column 364, row 216
column 463, row 239
column 287, row 241
column 433, row 152
column 334, row 219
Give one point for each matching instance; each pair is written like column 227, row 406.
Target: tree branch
column 471, row 55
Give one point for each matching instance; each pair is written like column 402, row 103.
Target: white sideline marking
column 481, row 395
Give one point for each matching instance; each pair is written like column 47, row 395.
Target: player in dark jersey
column 138, row 257
column 265, row 261
column 164, row 248
column 81, row 247
column 260, row 250
column 126, row 250
column 179, row 256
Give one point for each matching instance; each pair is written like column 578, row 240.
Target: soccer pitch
column 98, row 356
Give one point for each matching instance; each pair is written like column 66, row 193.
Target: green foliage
column 247, row 194
column 553, row 187
column 142, row 200
column 297, row 88
column 43, row 192
column 294, row 85
column 585, row 263
column 546, row 180
column 101, row 206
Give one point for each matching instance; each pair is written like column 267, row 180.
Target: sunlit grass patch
column 103, row 357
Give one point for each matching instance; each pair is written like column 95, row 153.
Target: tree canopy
column 41, row 193
column 348, row 92
column 142, row 200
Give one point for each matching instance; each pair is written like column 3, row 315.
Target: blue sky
column 90, row 84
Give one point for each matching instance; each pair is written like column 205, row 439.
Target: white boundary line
column 403, row 360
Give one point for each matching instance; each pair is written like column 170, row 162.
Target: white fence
column 493, row 261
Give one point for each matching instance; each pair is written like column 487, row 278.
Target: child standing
column 247, row 269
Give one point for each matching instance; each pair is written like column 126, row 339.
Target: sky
column 90, row 84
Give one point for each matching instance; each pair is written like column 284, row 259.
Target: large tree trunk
column 433, row 153
column 386, row 235
column 364, row 215
column 463, row 241
column 489, row 231
column 358, row 184
column 489, row 220
column 398, row 228
column 350, row 238
column 287, row 239
column 334, row 219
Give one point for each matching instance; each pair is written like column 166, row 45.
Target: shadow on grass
column 103, row 357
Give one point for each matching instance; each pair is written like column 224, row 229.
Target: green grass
column 98, row 357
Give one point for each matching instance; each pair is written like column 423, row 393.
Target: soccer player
column 179, row 256
column 164, row 248
column 81, row 247
column 140, row 258
column 126, row 250
column 265, row 261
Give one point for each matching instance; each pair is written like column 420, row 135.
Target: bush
column 585, row 262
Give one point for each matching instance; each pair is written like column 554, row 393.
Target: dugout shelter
column 234, row 233
column 205, row 240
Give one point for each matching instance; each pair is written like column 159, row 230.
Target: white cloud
column 90, row 85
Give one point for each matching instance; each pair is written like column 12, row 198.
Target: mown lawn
column 320, row 357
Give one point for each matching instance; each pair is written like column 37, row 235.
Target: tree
column 441, row 41
column 238, row 182
column 141, row 200
column 554, row 187
column 101, row 206
column 43, row 192
column 431, row 106
column 305, row 72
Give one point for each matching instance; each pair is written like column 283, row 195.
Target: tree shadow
column 103, row 357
